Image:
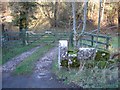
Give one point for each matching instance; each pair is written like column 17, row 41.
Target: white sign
column 62, row 43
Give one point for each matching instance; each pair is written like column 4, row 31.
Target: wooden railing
column 92, row 38
column 52, row 37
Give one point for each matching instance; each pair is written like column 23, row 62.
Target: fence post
column 27, row 36
column 71, row 39
column 107, row 43
column 23, row 36
column 92, row 40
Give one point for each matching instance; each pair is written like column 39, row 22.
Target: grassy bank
column 7, row 54
column 88, row 78
column 27, row 66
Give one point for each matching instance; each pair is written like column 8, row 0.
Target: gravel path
column 44, row 64
column 42, row 76
column 11, row 65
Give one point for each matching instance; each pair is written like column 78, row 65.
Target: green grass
column 7, row 54
column 27, row 66
column 114, row 45
column 114, row 42
column 88, row 78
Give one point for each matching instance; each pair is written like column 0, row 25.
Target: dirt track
column 42, row 76
column 11, row 64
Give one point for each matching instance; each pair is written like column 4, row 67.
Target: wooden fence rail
column 52, row 37
column 90, row 37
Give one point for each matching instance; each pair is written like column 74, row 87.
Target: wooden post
column 92, row 39
column 23, row 37
column 27, row 36
column 71, row 39
column 107, row 43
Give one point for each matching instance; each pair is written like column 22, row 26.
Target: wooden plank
column 95, row 41
column 95, row 35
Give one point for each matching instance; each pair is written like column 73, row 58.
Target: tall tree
column 55, row 14
column 74, row 23
column 103, row 9
column 22, row 13
column 85, row 15
column 99, row 19
column 92, row 10
column 119, row 14
column 119, row 18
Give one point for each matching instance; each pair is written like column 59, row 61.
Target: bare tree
column 55, row 13
column 99, row 19
column 119, row 16
column 74, row 23
column 85, row 15
column 92, row 10
column 103, row 9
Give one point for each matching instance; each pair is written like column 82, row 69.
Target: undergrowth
column 89, row 78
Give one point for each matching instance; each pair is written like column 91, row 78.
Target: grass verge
column 88, row 78
column 27, row 66
column 7, row 54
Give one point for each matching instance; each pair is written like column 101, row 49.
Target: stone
column 86, row 53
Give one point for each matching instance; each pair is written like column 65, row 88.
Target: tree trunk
column 3, row 27
column 85, row 15
column 99, row 18
column 92, row 11
column 55, row 14
column 119, row 16
column 22, row 26
column 20, row 22
column 74, row 23
column 103, row 9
